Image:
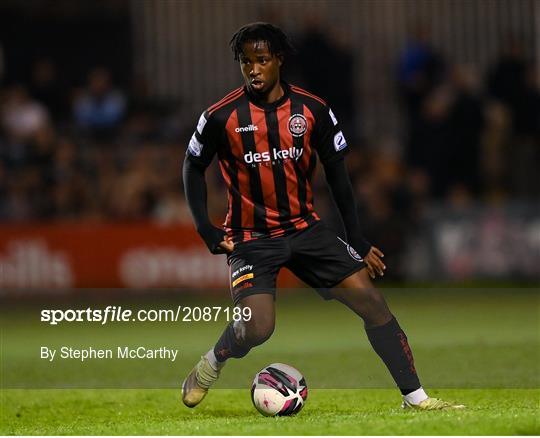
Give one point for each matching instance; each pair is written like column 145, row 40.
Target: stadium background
column 441, row 107
column 439, row 100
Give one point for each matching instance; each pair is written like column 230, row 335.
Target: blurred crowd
column 95, row 153
column 470, row 134
column 99, row 152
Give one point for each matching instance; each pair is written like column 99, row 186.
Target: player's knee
column 260, row 331
column 254, row 332
column 375, row 297
column 374, row 300
column 365, row 300
column 358, row 280
column 365, row 294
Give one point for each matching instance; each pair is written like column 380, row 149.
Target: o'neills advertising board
column 108, row 256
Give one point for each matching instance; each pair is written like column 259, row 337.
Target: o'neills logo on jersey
column 248, row 128
column 276, row 155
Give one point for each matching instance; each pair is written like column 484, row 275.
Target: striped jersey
column 267, row 156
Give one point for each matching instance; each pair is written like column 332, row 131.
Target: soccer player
column 267, row 135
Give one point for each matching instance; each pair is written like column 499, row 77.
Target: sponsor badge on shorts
column 242, row 278
column 352, row 252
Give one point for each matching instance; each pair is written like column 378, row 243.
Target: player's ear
column 280, row 59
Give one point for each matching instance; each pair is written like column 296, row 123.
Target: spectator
column 420, row 70
column 171, row 208
column 467, row 124
column 511, row 81
column 507, row 77
column 46, row 88
column 22, row 116
column 100, row 108
column 430, row 141
column 2, row 64
column 315, row 50
column 68, row 188
column 524, row 157
column 4, row 192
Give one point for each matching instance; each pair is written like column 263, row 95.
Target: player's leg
column 241, row 336
column 387, row 338
column 335, row 270
column 359, row 294
column 238, row 338
column 384, row 333
column 331, row 266
column 254, row 267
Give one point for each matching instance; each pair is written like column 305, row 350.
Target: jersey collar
column 269, row 106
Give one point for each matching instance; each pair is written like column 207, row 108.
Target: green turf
column 229, row 412
column 481, row 345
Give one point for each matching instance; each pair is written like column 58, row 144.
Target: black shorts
column 316, row 255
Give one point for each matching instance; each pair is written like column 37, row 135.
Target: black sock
column 390, row 343
column 227, row 346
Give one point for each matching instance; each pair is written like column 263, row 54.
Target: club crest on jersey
column 297, row 125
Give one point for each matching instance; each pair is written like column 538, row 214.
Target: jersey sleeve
column 203, row 144
column 329, row 141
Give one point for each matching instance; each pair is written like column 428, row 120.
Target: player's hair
column 278, row 43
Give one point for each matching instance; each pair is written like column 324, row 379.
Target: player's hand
column 216, row 240
column 227, row 245
column 374, row 263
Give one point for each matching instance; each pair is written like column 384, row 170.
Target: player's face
column 260, row 68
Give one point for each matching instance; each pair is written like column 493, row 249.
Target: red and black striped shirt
column 267, row 158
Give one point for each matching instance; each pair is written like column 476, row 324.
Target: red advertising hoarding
column 109, row 255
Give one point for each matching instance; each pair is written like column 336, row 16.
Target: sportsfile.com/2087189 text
column 120, row 314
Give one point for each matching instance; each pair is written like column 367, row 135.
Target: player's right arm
column 200, row 152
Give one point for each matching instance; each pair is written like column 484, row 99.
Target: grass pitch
column 482, row 346
column 229, row 412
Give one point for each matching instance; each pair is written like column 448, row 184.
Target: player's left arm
column 332, row 147
column 342, row 192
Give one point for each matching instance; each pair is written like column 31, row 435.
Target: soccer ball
column 279, row 389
